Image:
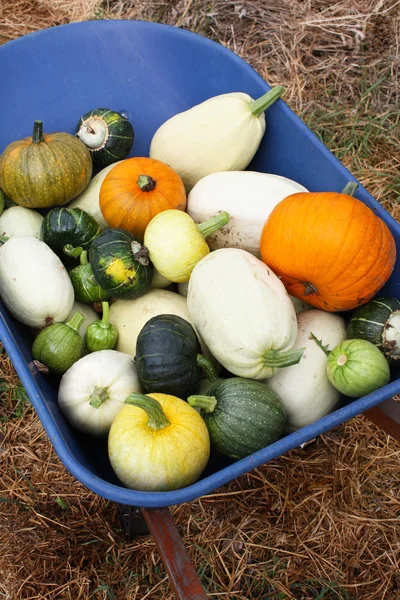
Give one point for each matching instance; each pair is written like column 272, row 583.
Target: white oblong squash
column 304, row 389
column 18, row 220
column 247, row 196
column 34, row 284
column 243, row 313
column 94, row 389
column 89, row 199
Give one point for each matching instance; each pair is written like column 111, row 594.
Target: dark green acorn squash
column 168, row 357
column 378, row 322
column 107, row 134
column 69, row 226
column 121, row 264
column 242, row 416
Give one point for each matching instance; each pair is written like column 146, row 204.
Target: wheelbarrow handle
column 181, row 572
column 386, row 416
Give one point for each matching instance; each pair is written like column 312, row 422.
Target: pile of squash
column 185, row 303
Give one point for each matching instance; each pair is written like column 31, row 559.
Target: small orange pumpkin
column 136, row 190
column 329, row 249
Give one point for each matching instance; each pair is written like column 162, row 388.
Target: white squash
column 89, row 199
column 304, row 389
column 34, row 284
column 220, row 134
column 94, row 389
column 247, row 196
column 87, row 312
column 243, row 313
column 18, row 220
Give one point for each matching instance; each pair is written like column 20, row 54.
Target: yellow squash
column 158, row 443
column 176, row 243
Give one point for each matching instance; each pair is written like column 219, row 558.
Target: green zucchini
column 242, row 416
column 107, row 134
column 121, row 264
column 378, row 322
column 168, row 357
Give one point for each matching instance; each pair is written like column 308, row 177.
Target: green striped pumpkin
column 242, row 416
column 74, row 226
column 107, row 134
column 121, row 264
column 378, row 322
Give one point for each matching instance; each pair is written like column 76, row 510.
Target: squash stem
column 140, row 253
column 2, row 202
column 207, row 403
column 277, row 358
column 104, row 320
column 146, row 183
column 37, row 135
column 261, row 104
column 350, row 188
column 206, row 365
column 3, row 239
column 98, row 396
column 212, row 225
column 69, row 250
column 157, row 419
column 76, row 321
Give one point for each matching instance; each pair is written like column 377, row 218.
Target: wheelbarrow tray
column 152, row 71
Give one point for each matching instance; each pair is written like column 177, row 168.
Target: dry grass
column 322, row 522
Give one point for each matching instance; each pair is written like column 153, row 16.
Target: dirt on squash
column 322, row 521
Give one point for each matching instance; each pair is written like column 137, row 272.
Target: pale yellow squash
column 158, row 443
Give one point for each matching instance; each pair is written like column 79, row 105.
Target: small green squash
column 58, row 346
column 69, row 226
column 378, row 322
column 86, row 288
column 108, row 135
column 169, row 359
column 121, row 264
column 46, row 169
column 242, row 416
column 357, row 368
column 101, row 335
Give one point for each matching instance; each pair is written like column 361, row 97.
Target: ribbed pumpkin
column 136, row 190
column 45, row 170
column 329, row 249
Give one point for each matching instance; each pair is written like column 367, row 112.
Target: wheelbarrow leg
column 180, row 569
column 160, row 524
column 387, row 416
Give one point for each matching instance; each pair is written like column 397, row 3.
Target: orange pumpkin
column 136, row 190
column 329, row 249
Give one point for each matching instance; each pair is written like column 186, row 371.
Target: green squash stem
column 207, row 403
column 106, row 311
column 76, row 321
column 3, row 239
column 70, row 250
column 350, row 188
column 206, row 365
column 261, row 104
column 2, row 202
column 146, row 183
column 212, row 225
column 98, row 396
column 157, row 419
column 277, row 358
column 37, row 135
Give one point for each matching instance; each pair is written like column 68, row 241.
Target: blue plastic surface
column 152, row 71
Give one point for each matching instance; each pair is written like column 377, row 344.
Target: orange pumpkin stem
column 37, row 135
column 146, row 183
